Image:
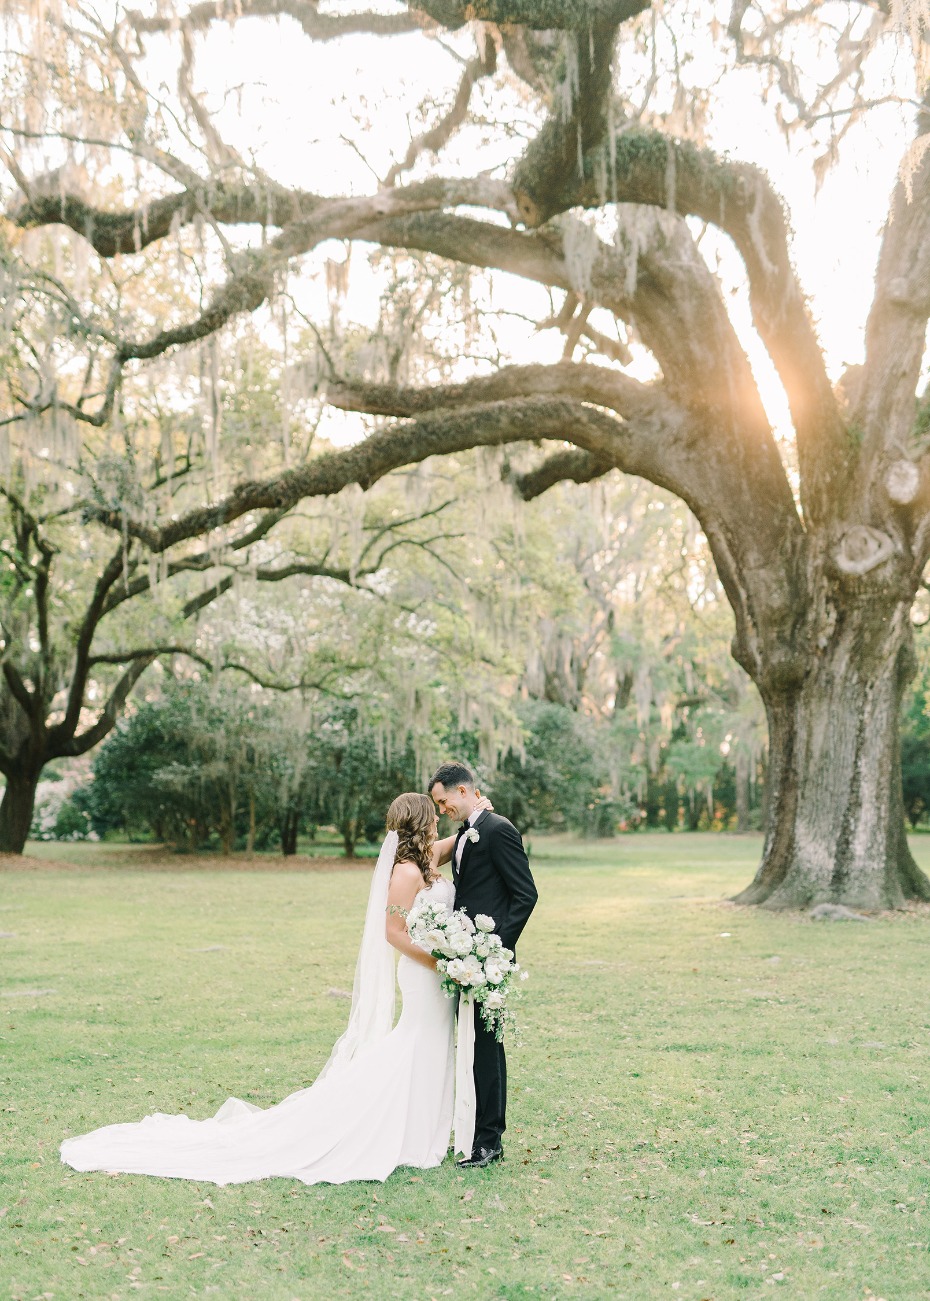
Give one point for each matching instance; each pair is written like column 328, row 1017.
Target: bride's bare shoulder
column 404, row 869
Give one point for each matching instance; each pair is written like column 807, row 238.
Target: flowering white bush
column 54, row 818
column 470, row 958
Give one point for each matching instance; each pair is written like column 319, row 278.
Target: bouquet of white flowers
column 470, row 957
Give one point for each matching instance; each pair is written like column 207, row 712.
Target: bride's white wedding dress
column 390, row 1104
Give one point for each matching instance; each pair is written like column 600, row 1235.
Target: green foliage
column 186, row 768
column 359, row 777
column 207, row 764
column 630, row 708
column 560, row 777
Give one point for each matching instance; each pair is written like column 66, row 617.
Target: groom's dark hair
column 452, row 774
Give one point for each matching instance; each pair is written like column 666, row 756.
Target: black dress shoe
column 481, row 1157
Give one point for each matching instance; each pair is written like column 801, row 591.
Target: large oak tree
column 821, row 561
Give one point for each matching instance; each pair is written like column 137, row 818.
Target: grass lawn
column 709, row 1102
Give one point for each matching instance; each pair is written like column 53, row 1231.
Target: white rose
column 456, row 969
column 493, row 973
column 482, row 947
column 505, row 954
column 434, row 938
column 494, row 1000
column 463, row 945
column 496, row 943
column 472, row 973
column 484, row 922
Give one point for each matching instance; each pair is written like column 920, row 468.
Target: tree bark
column 250, row 838
column 16, row 809
column 350, row 831
column 835, row 824
column 289, row 826
column 741, row 778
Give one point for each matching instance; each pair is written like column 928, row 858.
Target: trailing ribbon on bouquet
column 464, row 1120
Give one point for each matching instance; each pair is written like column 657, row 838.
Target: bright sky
column 293, row 102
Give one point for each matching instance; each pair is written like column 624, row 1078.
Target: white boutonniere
column 472, row 835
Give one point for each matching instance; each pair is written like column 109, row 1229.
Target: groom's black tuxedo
column 493, row 878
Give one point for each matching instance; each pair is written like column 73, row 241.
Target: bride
column 385, row 1096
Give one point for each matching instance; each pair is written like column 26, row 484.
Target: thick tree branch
column 129, row 230
column 648, row 167
column 718, row 472
column 540, row 15
column 547, row 177
column 18, row 689
column 596, row 384
column 65, row 746
column 319, row 27
column 97, row 606
column 198, row 562
column 148, row 654
column 491, row 424
column 208, row 559
column 657, row 280
column 574, row 465
column 207, row 596
column 886, row 410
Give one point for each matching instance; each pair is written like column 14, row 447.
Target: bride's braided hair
column 412, row 816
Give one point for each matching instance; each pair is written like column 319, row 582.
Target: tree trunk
column 693, row 813
column 290, row 823
column 250, row 838
column 16, row 810
column 835, row 825
column 741, row 779
column 349, row 830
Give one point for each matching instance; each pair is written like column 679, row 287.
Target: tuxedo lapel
column 470, row 843
column 458, row 836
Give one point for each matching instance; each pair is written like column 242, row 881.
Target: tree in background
column 820, row 544
column 629, row 627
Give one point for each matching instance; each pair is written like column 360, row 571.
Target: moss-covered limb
column 82, row 742
column 433, row 434
column 648, row 167
column 663, row 284
column 112, row 232
column 896, row 329
column 532, row 56
column 320, row 27
column 541, row 15
column 596, row 384
column 573, row 464
column 656, row 279
column 252, row 279
column 548, row 175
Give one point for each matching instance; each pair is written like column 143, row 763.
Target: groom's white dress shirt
column 460, row 847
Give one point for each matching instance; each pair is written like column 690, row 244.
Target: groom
column 492, row 876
